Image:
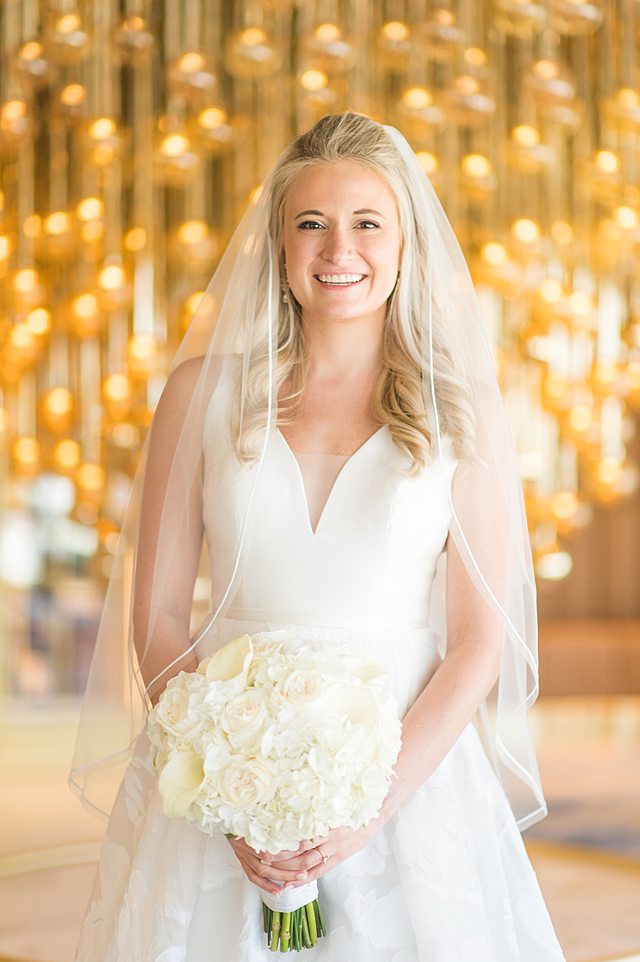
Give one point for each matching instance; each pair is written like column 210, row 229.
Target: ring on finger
column 325, row 858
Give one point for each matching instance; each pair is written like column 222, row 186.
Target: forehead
column 328, row 185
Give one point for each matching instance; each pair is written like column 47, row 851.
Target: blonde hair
column 399, row 397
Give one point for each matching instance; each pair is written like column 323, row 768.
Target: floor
column 586, row 852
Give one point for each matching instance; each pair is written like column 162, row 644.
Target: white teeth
column 340, row 278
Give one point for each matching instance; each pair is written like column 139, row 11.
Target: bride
column 331, row 451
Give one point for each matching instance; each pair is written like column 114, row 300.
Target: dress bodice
column 373, row 554
column 319, row 473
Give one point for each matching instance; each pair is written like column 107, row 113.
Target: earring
column 285, row 296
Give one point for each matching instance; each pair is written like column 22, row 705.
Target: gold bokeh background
column 130, row 144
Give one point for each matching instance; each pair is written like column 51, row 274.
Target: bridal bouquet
column 277, row 739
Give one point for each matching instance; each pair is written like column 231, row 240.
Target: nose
column 337, row 245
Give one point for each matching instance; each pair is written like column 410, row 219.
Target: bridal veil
column 243, row 319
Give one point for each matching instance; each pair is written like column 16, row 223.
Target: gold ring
column 325, row 858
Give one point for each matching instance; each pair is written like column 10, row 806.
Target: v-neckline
column 301, row 485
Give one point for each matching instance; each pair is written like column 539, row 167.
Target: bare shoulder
column 178, row 390
column 211, row 378
column 183, row 378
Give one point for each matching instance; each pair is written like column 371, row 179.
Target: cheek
column 386, row 245
column 296, row 251
column 387, row 257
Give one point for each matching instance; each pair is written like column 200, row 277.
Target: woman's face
column 342, row 242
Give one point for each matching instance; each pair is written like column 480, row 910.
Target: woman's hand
column 261, row 869
column 319, row 855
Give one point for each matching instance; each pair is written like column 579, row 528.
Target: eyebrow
column 318, row 213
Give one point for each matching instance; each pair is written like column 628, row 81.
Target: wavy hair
column 400, row 399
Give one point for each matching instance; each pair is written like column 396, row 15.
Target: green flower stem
column 293, row 931
column 275, row 931
column 311, row 922
column 285, row 932
column 306, row 938
column 322, row 928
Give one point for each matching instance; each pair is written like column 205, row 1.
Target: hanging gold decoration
column 129, row 144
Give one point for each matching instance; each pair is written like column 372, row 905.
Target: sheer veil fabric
column 142, row 640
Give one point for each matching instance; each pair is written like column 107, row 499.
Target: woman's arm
column 170, row 633
column 463, row 679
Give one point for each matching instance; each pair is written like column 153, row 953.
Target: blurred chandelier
column 129, row 147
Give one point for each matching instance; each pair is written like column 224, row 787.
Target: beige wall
column 590, row 657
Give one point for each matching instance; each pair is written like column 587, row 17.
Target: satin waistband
column 328, row 620
column 237, row 621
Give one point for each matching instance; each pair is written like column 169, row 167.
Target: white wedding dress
column 448, row 878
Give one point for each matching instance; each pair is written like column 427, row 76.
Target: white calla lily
column 357, row 703
column 180, row 782
column 368, row 671
column 230, row 661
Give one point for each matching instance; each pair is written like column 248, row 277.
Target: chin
column 345, row 314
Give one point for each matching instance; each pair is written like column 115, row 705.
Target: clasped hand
column 306, row 863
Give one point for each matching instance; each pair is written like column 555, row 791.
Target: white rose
column 179, row 709
column 265, row 648
column 302, row 686
column 266, row 644
column 245, row 784
column 243, row 718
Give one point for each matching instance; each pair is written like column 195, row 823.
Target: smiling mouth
column 339, row 280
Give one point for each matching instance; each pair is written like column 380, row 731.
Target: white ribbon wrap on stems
column 291, row 899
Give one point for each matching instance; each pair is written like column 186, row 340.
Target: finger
column 315, row 873
column 332, row 857
column 331, row 838
column 265, row 856
column 262, row 883
column 281, row 875
column 250, row 862
column 304, row 846
column 278, row 857
column 274, row 872
column 302, row 863
column 246, row 850
column 281, row 879
column 287, row 853
column 299, row 878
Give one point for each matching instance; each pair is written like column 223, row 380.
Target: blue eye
column 309, row 224
column 369, row 224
